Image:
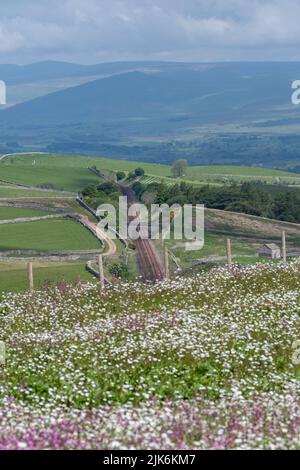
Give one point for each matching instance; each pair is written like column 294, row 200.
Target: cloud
column 100, row 30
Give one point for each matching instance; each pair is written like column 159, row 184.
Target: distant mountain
column 117, row 97
column 27, row 82
column 218, row 94
column 184, row 106
column 49, row 70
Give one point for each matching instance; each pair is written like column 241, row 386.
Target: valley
column 63, row 238
column 155, row 111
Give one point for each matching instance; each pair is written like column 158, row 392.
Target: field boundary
column 32, row 219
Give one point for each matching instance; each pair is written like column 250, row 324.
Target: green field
column 247, row 234
column 68, row 178
column 70, row 172
column 13, row 276
column 57, row 234
column 215, row 249
column 7, row 213
column 81, row 162
column 15, row 193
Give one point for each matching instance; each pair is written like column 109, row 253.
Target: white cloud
column 96, row 30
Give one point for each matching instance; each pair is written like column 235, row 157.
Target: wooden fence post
column 283, row 248
column 167, row 271
column 229, row 252
column 101, row 271
column 30, row 277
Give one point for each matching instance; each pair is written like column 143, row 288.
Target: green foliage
column 90, row 191
column 179, row 167
column 108, row 187
column 249, row 198
column 138, row 188
column 139, row 171
column 131, row 176
column 107, row 192
column 120, row 175
column 119, row 270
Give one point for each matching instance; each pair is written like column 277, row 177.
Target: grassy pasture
column 57, row 234
column 247, row 234
column 15, row 193
column 67, row 178
column 13, row 276
column 70, row 172
column 7, row 213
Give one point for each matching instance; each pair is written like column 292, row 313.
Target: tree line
column 250, row 198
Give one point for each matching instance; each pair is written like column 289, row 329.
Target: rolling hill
column 218, row 94
column 211, row 113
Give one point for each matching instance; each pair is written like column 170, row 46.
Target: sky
column 94, row 31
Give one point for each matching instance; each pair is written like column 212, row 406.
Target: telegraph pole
column 229, row 252
column 167, row 270
column 101, row 271
column 283, row 248
column 30, row 277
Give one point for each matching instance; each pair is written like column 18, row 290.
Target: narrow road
column 100, row 234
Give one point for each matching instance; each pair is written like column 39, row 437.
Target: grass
column 215, row 247
column 15, row 193
column 82, row 162
column 57, row 234
column 13, row 276
column 237, row 170
column 70, row 172
column 247, row 234
column 66, row 178
column 7, row 213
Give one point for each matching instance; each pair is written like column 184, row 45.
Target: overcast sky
column 92, row 31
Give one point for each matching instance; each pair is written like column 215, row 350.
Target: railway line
column 149, row 262
column 148, row 259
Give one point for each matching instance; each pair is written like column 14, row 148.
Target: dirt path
column 100, row 234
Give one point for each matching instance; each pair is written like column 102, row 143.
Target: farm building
column 270, row 250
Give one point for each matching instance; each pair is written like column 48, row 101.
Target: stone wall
column 32, row 219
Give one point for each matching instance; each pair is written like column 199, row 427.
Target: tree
column 139, row 172
column 90, row 191
column 138, row 188
column 108, row 187
column 119, row 270
column 178, row 168
column 120, row 175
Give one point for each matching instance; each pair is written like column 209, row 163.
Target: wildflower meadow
column 199, row 362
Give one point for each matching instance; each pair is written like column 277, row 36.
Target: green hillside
column 71, row 172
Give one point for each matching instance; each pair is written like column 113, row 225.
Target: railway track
column 149, row 262
column 148, row 259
